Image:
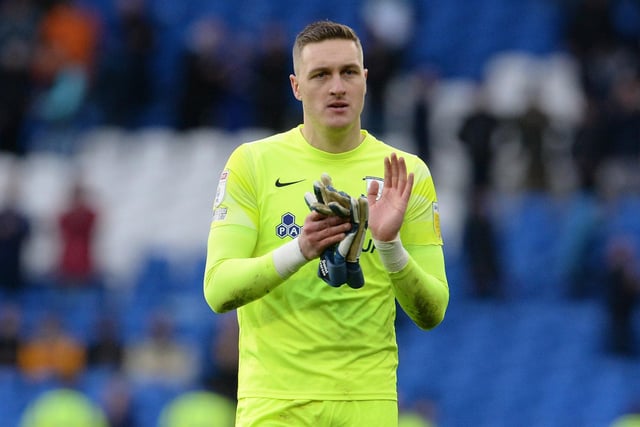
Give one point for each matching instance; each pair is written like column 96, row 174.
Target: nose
column 337, row 86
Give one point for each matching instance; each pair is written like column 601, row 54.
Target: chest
column 281, row 199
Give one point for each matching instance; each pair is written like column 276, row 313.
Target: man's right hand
column 320, row 232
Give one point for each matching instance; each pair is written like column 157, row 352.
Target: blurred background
column 116, row 118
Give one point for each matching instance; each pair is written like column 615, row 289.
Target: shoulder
column 267, row 146
column 414, row 163
column 291, row 136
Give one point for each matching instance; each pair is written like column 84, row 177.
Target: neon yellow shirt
column 299, row 337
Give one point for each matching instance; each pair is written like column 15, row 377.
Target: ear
column 366, row 74
column 295, row 87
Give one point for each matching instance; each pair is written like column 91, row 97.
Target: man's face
column 331, row 83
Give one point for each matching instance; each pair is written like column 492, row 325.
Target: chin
column 341, row 123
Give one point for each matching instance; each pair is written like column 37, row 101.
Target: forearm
column 419, row 282
column 233, row 283
column 423, row 296
column 234, row 278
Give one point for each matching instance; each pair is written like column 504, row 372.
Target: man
column 15, row 232
column 313, row 354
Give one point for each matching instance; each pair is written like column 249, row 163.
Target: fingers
column 372, row 192
column 395, row 173
column 321, row 231
column 388, row 181
column 328, row 226
column 408, row 187
column 328, row 200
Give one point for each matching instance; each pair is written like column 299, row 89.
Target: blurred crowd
column 67, row 65
column 64, row 67
column 603, row 150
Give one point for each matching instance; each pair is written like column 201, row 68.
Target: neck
column 333, row 140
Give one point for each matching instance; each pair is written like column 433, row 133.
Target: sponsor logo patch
column 288, row 226
column 219, row 214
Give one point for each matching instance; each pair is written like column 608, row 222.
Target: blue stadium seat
column 528, row 229
column 149, row 399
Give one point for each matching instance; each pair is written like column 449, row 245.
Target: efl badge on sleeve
column 222, row 187
column 436, row 220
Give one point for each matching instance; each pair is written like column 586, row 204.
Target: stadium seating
column 534, row 358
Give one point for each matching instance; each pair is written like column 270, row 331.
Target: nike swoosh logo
column 284, row 184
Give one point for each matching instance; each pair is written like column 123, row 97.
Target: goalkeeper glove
column 327, row 200
column 340, row 263
column 351, row 246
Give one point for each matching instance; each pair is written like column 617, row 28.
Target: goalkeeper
column 320, row 349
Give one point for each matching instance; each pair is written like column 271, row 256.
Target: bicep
column 229, row 242
column 233, row 276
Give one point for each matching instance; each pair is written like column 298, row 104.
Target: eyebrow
column 341, row 67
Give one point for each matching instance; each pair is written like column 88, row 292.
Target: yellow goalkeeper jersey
column 305, row 339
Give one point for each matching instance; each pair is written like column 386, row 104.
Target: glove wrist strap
column 393, row 255
column 288, row 258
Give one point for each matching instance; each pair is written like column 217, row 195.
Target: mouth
column 338, row 105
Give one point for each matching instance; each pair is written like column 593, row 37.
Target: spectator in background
column 476, row 133
column 123, row 86
column 51, row 353
column 412, row 419
column 198, row 409
column 480, row 247
column 116, row 401
column 15, row 230
column 627, row 420
column 424, row 79
column 619, row 169
column 159, row 357
column 588, row 146
column 67, row 38
column 18, row 23
column 623, row 128
column 238, row 111
column 422, row 413
column 10, row 334
column 62, row 407
column 270, row 86
column 479, row 236
column 534, row 126
column 77, row 224
column 205, row 75
column 591, row 38
column 604, row 38
column 622, row 290
column 581, row 263
column 105, row 347
column 223, row 376
column 630, row 417
column 63, row 68
column 387, row 30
